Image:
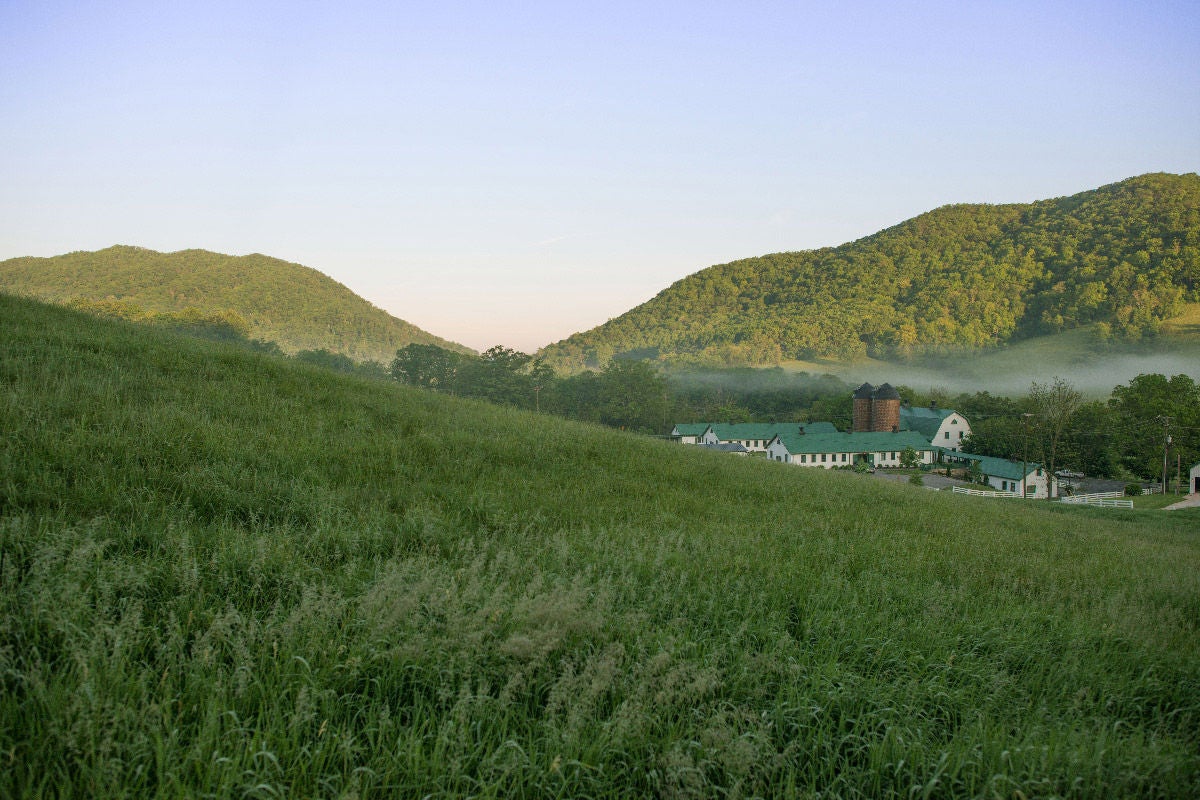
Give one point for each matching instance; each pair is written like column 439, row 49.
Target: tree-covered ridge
column 1123, row 257
column 295, row 306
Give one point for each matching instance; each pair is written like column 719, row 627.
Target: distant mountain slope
column 1123, row 257
column 295, row 306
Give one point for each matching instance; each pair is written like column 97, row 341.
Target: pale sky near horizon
column 511, row 173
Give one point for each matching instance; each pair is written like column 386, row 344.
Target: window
column 947, row 434
column 1004, row 486
column 822, row 458
column 953, row 422
column 960, row 436
column 843, row 457
column 804, row 459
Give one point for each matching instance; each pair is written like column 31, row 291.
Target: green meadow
column 228, row 575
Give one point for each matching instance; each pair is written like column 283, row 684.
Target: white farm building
column 829, row 450
column 943, row 427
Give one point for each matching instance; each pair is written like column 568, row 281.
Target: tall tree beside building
column 1053, row 406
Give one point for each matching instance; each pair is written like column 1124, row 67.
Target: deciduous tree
column 1053, row 406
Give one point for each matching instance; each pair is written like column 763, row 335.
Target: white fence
column 1087, row 498
column 1107, row 502
column 1101, row 499
column 981, row 493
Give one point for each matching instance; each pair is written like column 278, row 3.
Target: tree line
column 626, row 394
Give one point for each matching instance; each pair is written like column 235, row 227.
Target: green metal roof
column 999, row 467
column 924, row 420
column 854, row 442
column 746, row 431
column 752, row 430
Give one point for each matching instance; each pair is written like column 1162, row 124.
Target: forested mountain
column 1121, row 258
column 295, row 306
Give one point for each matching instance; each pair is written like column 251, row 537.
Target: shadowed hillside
column 294, row 306
column 230, row 575
column 1120, row 259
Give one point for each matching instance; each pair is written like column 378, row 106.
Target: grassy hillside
column 227, row 575
column 292, row 305
column 1120, row 260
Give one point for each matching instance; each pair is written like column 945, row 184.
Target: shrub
column 1133, row 489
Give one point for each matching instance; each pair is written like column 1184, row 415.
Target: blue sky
column 514, row 172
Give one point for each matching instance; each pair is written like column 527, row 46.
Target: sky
column 514, row 172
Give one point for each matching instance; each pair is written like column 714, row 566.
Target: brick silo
column 885, row 409
column 862, row 408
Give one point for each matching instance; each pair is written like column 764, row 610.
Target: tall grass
column 224, row 575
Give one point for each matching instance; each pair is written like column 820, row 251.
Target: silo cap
column 887, row 392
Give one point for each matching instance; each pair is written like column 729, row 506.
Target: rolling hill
column 231, row 575
column 294, row 306
column 1120, row 260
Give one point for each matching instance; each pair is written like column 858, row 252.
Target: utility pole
column 1166, row 423
column 1025, row 454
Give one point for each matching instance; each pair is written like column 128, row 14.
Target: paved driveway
column 1191, row 501
column 931, row 480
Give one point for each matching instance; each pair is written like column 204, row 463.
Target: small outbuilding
column 1194, row 480
column 1026, row 478
column 689, row 432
